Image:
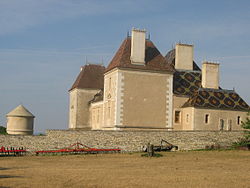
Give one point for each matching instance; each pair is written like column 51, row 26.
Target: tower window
column 109, row 109
column 177, row 116
column 109, row 83
column 98, row 115
column 206, row 118
column 187, row 118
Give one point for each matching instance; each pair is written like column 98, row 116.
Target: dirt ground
column 175, row 169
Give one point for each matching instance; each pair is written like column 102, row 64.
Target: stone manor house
column 141, row 89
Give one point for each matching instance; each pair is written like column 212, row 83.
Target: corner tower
column 138, row 87
column 88, row 83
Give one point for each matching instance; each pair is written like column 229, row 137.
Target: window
column 109, row 83
column 229, row 126
column 109, row 110
column 238, row 120
column 206, row 118
column 93, row 115
column 98, row 115
column 177, row 117
column 221, row 124
column 187, row 118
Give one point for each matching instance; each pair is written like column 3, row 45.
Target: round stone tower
column 20, row 121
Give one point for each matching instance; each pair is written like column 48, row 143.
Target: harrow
column 12, row 151
column 78, row 148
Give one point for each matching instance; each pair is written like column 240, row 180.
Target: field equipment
column 165, row 146
column 78, row 148
column 12, row 151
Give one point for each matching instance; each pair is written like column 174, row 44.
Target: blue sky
column 43, row 43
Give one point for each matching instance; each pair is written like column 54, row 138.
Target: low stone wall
column 125, row 140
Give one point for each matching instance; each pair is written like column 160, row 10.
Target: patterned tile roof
column 90, row 77
column 217, row 99
column 153, row 58
column 186, row 82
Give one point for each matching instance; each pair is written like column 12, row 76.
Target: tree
column 246, row 126
column 245, row 141
column 2, row 130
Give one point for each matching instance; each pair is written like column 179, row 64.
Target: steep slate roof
column 170, row 57
column 90, row 77
column 153, row 58
column 20, row 111
column 217, row 99
column 186, row 82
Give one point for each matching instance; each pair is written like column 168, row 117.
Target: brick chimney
column 210, row 75
column 184, row 55
column 138, row 46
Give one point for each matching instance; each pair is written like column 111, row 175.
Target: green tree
column 245, row 141
column 246, row 126
column 2, row 130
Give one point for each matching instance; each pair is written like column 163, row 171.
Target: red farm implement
column 12, row 151
column 78, row 148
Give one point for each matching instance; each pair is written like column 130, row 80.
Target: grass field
column 175, row 169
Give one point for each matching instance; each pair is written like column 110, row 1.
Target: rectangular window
column 109, row 110
column 238, row 120
column 177, row 117
column 93, row 115
column 109, row 83
column 187, row 118
column 206, row 118
column 98, row 115
column 229, row 126
column 221, row 127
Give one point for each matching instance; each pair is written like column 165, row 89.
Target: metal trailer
column 78, row 148
column 11, row 151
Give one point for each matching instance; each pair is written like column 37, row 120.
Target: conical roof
column 20, row 111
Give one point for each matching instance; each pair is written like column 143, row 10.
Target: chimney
column 184, row 55
column 210, row 75
column 138, row 46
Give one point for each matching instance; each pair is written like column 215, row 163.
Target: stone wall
column 125, row 140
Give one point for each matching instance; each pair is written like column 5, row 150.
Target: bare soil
column 175, row 169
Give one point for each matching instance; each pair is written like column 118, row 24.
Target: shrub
column 2, row 130
column 245, row 141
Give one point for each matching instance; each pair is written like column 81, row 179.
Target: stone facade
column 79, row 108
column 126, row 140
column 141, row 89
